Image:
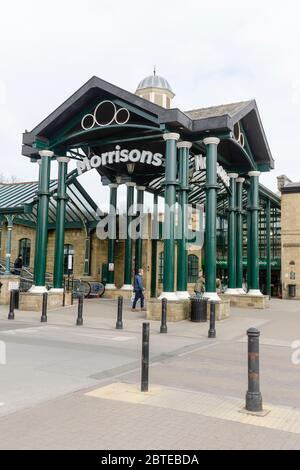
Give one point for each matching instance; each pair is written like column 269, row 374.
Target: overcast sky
column 211, row 53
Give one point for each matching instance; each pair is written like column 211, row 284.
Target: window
column 24, row 250
column 68, row 259
column 193, row 268
column 161, row 267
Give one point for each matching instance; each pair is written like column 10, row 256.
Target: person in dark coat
column 18, row 265
column 138, row 290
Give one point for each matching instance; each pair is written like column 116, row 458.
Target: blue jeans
column 138, row 295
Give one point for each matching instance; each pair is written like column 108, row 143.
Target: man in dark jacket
column 138, row 290
column 18, row 264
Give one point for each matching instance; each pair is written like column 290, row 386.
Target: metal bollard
column 11, row 312
column 119, row 323
column 164, row 306
column 145, row 358
column 44, row 308
column 79, row 321
column 212, row 320
column 64, row 293
column 253, row 395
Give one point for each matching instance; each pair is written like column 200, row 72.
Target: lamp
column 119, row 179
column 130, row 168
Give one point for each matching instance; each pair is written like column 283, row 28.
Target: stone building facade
column 98, row 256
column 290, row 237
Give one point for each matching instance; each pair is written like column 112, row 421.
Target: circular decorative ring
column 87, row 128
column 126, row 120
column 114, row 113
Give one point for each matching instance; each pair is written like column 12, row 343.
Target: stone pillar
column 9, row 219
column 42, row 223
column 61, row 199
column 182, row 260
column 155, row 236
column 211, row 217
column 268, row 246
column 239, row 235
column 128, row 241
column 253, row 208
column 113, row 187
column 232, row 287
column 169, row 216
column 139, row 240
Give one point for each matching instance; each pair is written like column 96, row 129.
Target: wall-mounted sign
column 105, row 114
column 13, row 285
column 200, row 164
column 119, row 156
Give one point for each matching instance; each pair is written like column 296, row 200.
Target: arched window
column 24, row 250
column 193, row 268
column 161, row 267
column 68, row 259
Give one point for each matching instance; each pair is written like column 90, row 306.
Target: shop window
column 193, row 268
column 68, row 259
column 24, row 250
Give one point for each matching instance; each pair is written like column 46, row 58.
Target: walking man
column 138, row 290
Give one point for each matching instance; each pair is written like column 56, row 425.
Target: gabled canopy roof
column 61, row 129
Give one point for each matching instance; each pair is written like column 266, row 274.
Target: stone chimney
column 282, row 181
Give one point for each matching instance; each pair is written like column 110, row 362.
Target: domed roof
column 154, row 81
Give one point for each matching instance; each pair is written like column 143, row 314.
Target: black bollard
column 64, row 294
column 11, row 313
column 212, row 320
column 164, row 306
column 253, row 395
column 145, row 358
column 79, row 321
column 119, row 323
column 44, row 308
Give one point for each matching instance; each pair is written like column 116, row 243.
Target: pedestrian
column 199, row 286
column 138, row 290
column 18, row 265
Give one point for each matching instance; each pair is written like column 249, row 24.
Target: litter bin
column 198, row 309
column 292, row 290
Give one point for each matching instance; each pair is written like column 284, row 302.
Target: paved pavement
column 53, row 387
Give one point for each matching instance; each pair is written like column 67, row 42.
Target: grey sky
column 211, row 53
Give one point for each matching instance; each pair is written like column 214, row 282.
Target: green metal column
column 155, row 236
column 169, row 220
column 39, row 162
column 254, row 208
column 232, row 236
column 113, row 187
column 128, row 241
column 239, row 234
column 182, row 261
column 268, row 245
column 60, row 223
column 249, row 276
column 9, row 219
column 139, row 240
column 42, row 222
column 87, row 252
column 211, row 217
